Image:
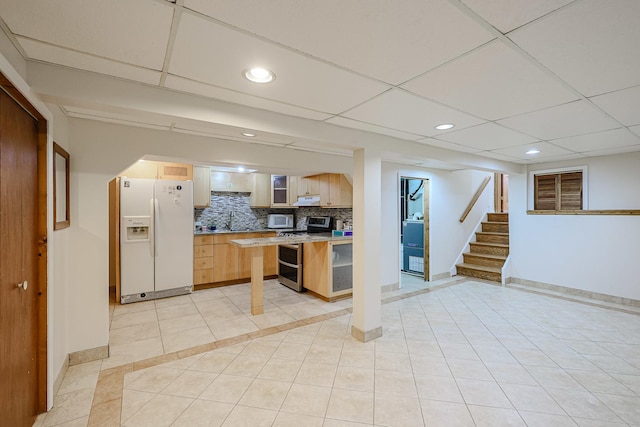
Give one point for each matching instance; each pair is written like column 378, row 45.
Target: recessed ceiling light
column 533, row 151
column 259, row 75
column 240, row 168
column 445, row 126
column 248, row 135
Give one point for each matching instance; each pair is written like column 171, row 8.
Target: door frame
column 16, row 95
column 426, row 191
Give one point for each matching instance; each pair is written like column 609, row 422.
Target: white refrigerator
column 156, row 238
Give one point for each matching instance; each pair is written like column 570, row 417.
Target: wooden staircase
column 489, row 251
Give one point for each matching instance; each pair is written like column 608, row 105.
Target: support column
column 367, row 203
column 257, row 285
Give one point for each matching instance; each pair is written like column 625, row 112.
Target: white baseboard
column 575, row 292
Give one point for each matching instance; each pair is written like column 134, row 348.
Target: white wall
column 450, row 193
column 587, row 252
column 99, row 152
column 59, row 258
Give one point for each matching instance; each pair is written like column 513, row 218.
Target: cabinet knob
column 24, row 285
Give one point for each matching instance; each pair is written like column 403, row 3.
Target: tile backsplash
column 231, row 210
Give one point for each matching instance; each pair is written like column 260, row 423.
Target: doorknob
column 24, row 285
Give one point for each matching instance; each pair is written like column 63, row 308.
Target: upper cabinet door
column 280, row 191
column 201, row 186
column 335, row 191
column 260, row 191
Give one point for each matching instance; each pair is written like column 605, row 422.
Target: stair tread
column 497, row 245
column 495, row 222
column 480, row 267
column 491, row 256
column 497, row 233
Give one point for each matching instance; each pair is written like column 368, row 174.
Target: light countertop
column 207, row 232
column 289, row 240
column 260, row 230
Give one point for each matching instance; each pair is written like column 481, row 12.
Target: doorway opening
column 414, row 227
column 501, row 193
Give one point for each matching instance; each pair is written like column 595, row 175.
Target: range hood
column 308, row 201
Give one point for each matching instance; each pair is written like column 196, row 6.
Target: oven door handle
column 290, row 246
column 287, row 264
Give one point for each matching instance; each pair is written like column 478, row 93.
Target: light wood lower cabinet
column 328, row 269
column 216, row 260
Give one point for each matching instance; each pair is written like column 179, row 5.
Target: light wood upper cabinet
column 308, row 186
column 280, row 194
column 231, row 181
column 201, row 186
column 159, row 170
column 261, row 191
column 334, row 189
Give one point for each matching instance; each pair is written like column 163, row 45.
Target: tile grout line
column 107, row 400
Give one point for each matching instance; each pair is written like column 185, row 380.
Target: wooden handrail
column 475, row 198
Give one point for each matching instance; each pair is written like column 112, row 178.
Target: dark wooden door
column 18, row 265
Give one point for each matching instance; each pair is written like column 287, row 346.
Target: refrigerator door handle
column 156, row 215
column 152, row 230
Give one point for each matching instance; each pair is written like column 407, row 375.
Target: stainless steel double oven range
column 290, row 260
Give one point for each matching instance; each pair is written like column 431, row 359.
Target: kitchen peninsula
column 257, row 245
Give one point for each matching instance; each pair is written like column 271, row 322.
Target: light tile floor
column 468, row 354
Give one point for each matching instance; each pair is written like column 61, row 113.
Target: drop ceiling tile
column 560, row 158
column 341, row 121
column 493, row 81
column 635, row 129
column 507, row 15
column 400, row 110
column 212, row 133
column 190, row 86
column 109, row 116
column 126, row 122
column 232, row 133
column 56, row 55
column 496, row 156
column 611, row 151
column 598, row 141
column 487, row 136
column 623, row 105
column 320, row 147
column 110, row 29
column 546, row 150
column 373, row 37
column 301, row 81
column 574, row 118
column 448, row 145
column 590, row 44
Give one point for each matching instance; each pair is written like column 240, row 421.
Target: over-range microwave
column 280, row 221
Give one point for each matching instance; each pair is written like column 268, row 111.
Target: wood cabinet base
column 211, row 285
column 331, row 299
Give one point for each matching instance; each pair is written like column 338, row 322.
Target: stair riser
column 489, row 250
column 486, row 275
column 491, row 238
column 495, row 227
column 478, row 260
column 498, row 217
